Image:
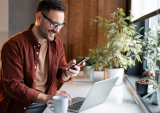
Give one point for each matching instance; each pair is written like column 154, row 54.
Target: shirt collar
column 33, row 38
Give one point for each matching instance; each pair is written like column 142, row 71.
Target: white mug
column 59, row 104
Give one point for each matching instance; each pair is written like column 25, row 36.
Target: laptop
column 96, row 96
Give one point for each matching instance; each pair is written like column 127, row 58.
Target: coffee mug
column 59, row 104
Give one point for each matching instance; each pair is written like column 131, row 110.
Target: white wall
column 21, row 14
column 4, row 15
column 4, row 21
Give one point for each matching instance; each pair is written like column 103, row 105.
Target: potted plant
column 121, row 48
column 88, row 72
column 151, row 53
column 155, row 92
column 151, row 50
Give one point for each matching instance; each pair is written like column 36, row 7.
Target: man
column 32, row 61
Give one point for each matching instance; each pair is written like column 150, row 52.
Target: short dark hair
column 46, row 5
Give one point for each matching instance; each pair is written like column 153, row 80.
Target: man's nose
column 57, row 29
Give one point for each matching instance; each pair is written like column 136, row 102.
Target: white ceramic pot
column 158, row 98
column 114, row 72
column 154, row 98
column 87, row 72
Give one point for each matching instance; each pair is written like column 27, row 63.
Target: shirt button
column 38, row 45
column 34, row 80
column 24, row 107
column 34, row 46
column 37, row 53
column 35, row 67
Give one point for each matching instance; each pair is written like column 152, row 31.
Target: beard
column 47, row 34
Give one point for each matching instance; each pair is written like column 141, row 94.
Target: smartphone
column 79, row 63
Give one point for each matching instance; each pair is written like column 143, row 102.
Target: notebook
column 96, row 96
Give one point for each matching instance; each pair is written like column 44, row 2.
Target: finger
column 64, row 93
column 67, row 93
column 72, row 72
column 58, row 93
column 74, row 61
column 69, row 73
column 69, row 98
column 77, row 68
column 82, row 64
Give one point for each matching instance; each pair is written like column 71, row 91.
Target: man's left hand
column 72, row 72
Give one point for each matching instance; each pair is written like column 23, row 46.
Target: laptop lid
column 98, row 93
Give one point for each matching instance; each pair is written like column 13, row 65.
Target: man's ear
column 38, row 17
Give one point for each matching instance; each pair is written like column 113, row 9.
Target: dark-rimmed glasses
column 53, row 23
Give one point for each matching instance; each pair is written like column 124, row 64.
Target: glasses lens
column 54, row 25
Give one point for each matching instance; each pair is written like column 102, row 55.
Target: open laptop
column 97, row 95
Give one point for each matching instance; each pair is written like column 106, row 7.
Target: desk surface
column 119, row 100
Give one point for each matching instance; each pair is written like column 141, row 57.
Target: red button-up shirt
column 18, row 75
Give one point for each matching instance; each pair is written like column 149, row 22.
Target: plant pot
column 114, row 72
column 154, row 98
column 158, row 98
column 87, row 72
column 143, row 89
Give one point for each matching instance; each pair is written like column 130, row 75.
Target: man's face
column 44, row 27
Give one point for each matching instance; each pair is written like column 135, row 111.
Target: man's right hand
column 62, row 93
column 43, row 98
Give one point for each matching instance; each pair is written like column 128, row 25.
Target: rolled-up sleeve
column 12, row 74
column 62, row 65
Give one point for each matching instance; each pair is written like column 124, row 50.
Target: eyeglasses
column 53, row 23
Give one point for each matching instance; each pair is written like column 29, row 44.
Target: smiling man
column 32, row 61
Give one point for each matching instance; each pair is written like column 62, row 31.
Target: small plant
column 151, row 49
column 156, row 86
column 122, row 45
column 151, row 52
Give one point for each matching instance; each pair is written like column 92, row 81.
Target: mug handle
column 50, row 101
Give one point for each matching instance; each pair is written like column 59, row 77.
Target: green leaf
column 105, row 25
column 101, row 19
column 156, row 67
column 149, row 66
column 137, row 36
column 150, row 79
column 106, row 20
column 122, row 13
column 132, row 27
column 138, row 46
column 149, row 94
column 95, row 20
column 100, row 24
column 149, row 29
column 128, row 53
column 151, row 37
column 138, row 58
column 141, row 29
column 97, row 16
column 128, row 18
column 91, row 23
column 139, row 40
column 159, row 43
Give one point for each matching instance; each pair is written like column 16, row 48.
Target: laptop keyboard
column 75, row 106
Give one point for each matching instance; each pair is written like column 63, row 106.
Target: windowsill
column 151, row 108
